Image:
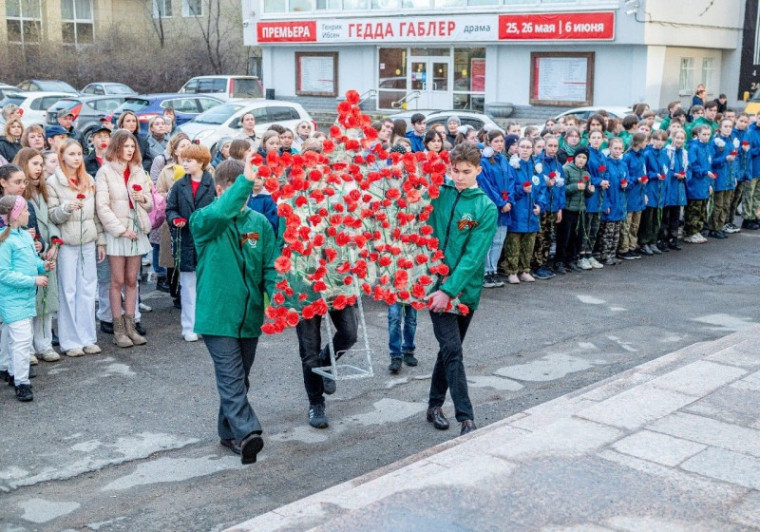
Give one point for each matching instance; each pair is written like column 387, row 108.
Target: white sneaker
column 145, row 308
column 50, row 356
column 595, row 263
column 191, row 337
column 92, row 349
column 584, row 264
column 730, row 229
column 33, row 360
column 512, row 279
column 146, row 261
column 700, row 238
column 690, row 239
column 74, row 352
column 528, row 278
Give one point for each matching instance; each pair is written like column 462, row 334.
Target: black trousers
column 448, row 372
column 569, row 237
column 313, row 355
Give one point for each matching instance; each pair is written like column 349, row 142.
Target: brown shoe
column 129, row 323
column 436, row 417
column 120, row 337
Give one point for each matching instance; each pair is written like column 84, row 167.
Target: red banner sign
column 564, row 26
column 301, row 31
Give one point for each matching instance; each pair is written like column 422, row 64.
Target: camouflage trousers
column 519, row 250
column 543, row 239
column 609, row 238
column 721, row 204
column 695, row 216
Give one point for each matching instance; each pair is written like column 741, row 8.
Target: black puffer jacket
column 181, row 204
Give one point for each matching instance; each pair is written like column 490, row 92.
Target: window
column 207, row 103
column 562, row 78
column 162, row 8
column 23, row 21
column 78, row 22
column 192, row 8
column 282, row 114
column 686, row 77
column 708, row 74
column 183, row 105
column 469, row 78
column 317, row 74
column 392, row 77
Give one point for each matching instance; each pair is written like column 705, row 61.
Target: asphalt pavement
column 126, row 440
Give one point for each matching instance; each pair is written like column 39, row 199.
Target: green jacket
column 626, row 137
column 233, row 272
column 464, row 224
column 701, row 121
column 575, row 200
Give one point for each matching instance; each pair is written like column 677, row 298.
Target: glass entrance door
column 431, row 76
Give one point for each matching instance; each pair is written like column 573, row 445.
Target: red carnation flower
column 527, row 184
column 282, row 264
column 57, row 242
column 602, row 168
column 624, row 182
column 463, row 309
column 745, row 143
column 734, row 153
column 570, row 159
column 81, row 196
column 136, row 188
column 178, row 221
column 505, row 196
column 585, row 177
column 552, row 175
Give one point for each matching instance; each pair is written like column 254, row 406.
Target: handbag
column 157, row 215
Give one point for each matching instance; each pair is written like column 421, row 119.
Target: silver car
column 225, row 120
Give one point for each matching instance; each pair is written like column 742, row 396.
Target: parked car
column 225, row 120
column 225, row 87
column 147, row 106
column 585, row 112
column 46, row 85
column 100, row 88
column 33, row 105
column 88, row 110
column 5, row 88
column 468, row 118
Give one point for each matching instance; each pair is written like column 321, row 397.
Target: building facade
column 472, row 54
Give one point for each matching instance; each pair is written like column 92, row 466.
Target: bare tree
column 216, row 22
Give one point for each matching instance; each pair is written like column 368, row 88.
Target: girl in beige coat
column 71, row 207
column 123, row 203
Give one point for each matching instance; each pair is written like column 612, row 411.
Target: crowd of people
column 79, row 224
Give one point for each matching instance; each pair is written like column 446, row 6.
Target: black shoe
column 106, row 327
column 468, row 426
column 644, row 250
column 11, row 381
column 4, row 375
column 54, row 340
column 317, row 416
column 24, row 393
column 436, row 417
column 573, row 267
column 560, row 269
column 177, row 304
column 250, row 447
column 395, row 365
column 231, row 444
column 140, row 329
column 628, row 255
column 329, row 385
column 162, row 285
column 754, row 226
column 410, row 360
column 654, row 249
column 673, row 244
column 662, row 246
column 32, row 372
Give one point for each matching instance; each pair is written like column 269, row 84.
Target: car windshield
column 218, row 115
column 52, row 86
column 118, row 88
column 15, row 99
column 134, row 105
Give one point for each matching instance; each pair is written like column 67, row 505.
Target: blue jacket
column 596, row 159
column 615, row 196
column 555, row 195
column 523, row 219
column 724, row 169
column 416, row 140
column 675, row 189
column 498, row 183
column 657, row 171
column 700, row 162
column 754, row 149
column 263, row 203
column 743, row 162
column 19, row 265
column 636, row 190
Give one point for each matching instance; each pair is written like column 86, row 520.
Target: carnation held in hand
column 355, row 223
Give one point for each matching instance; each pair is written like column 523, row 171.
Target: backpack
column 157, row 215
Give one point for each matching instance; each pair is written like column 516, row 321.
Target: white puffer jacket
column 113, row 198
column 81, row 225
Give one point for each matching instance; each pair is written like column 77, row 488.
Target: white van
column 225, row 87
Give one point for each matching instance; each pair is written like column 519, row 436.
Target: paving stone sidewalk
column 673, row 444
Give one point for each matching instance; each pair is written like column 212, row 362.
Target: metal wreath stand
column 343, row 372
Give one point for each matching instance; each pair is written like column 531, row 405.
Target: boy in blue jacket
column 743, row 168
column 699, row 180
column 597, row 166
column 675, row 188
column 724, row 166
column 656, row 161
column 751, row 189
column 528, row 204
column 613, row 207
column 554, row 180
column 497, row 181
column 261, row 201
column 636, row 194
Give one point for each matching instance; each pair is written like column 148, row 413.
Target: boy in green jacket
column 464, row 222
column 236, row 250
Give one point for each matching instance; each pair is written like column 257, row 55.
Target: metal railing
column 414, row 95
